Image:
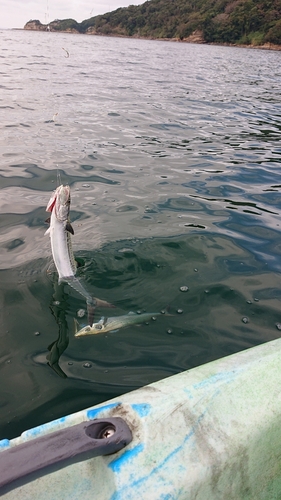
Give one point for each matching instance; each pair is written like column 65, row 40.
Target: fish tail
column 92, row 303
column 102, row 303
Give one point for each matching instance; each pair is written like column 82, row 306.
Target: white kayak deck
column 210, row 433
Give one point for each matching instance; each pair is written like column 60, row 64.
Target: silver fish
column 60, row 231
column 114, row 323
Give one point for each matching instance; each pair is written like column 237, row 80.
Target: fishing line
column 58, row 178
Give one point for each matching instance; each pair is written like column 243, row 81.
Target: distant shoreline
column 266, row 46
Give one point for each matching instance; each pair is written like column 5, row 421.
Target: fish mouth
column 78, row 335
column 81, row 332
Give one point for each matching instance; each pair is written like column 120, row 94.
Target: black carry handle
column 100, row 436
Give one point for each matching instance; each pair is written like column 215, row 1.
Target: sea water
column 172, row 153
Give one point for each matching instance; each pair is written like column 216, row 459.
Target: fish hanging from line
column 60, row 232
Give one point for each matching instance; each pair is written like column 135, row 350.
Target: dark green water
column 172, row 152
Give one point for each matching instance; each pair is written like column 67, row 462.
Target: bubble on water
column 153, row 318
column 169, row 331
column 81, row 313
column 245, row 319
column 56, row 303
column 278, row 326
column 70, row 363
column 85, row 185
column 179, row 311
column 36, row 334
column 195, row 270
column 249, row 302
column 256, row 300
column 206, row 291
column 87, row 365
column 184, row 288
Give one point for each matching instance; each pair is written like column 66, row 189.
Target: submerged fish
column 60, row 231
column 114, row 323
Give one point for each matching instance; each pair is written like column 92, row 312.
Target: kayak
column 212, row 432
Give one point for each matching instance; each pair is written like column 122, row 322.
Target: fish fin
column 69, row 228
column 102, row 303
column 48, row 231
column 79, row 262
column 48, row 220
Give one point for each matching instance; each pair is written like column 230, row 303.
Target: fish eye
column 98, row 326
column 87, row 329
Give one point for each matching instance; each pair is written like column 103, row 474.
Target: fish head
column 95, row 329
column 60, row 201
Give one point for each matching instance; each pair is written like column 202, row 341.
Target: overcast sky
column 15, row 13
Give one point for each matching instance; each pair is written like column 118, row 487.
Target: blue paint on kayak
column 36, row 431
column 127, row 456
column 93, row 412
column 4, row 443
column 142, row 409
column 223, row 377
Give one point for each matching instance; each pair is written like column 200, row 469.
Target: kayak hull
column 212, row 432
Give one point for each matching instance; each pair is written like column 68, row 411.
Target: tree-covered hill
column 253, row 22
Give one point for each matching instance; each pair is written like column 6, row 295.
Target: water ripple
column 172, row 153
